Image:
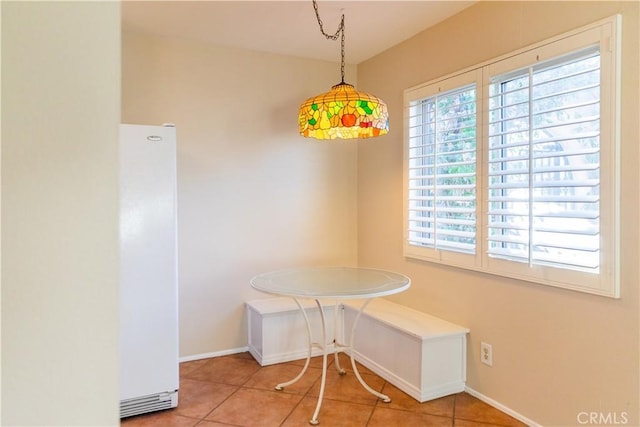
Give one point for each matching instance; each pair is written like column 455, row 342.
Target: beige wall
column 556, row 352
column 60, row 116
column 253, row 195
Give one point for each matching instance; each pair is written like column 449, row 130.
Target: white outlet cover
column 486, row 354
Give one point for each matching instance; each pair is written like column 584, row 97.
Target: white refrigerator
column 149, row 375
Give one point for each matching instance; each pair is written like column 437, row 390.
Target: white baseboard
column 501, row 407
column 214, row 354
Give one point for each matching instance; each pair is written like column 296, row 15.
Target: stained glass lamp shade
column 343, row 112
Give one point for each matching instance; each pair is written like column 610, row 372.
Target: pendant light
column 343, row 112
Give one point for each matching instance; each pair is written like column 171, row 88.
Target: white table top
column 331, row 282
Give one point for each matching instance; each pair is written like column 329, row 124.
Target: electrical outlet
column 486, row 354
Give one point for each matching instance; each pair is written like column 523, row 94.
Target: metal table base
column 337, row 348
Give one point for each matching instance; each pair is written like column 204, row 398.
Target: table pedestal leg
column 323, row 381
column 337, row 348
column 281, row 386
column 379, row 395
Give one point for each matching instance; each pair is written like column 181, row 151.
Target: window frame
column 606, row 35
column 431, row 254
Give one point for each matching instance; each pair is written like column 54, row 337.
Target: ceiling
column 290, row 27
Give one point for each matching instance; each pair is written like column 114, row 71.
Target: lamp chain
column 340, row 30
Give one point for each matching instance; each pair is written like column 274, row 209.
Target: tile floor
column 236, row 391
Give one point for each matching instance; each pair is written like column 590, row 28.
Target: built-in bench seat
column 422, row 355
column 277, row 330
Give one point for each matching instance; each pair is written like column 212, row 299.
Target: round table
column 331, row 283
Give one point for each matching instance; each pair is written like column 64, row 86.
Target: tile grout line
column 296, row 405
column 238, row 387
column 375, row 406
column 204, row 418
column 299, row 402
